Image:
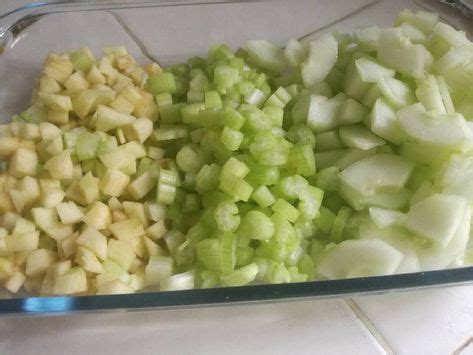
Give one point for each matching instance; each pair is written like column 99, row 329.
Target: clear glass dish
column 168, row 32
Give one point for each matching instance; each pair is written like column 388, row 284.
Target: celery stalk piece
column 370, row 71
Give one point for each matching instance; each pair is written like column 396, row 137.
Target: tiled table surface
column 435, row 321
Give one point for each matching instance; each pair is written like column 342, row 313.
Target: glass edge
column 21, row 17
column 235, row 295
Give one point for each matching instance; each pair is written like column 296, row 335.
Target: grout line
column 362, row 8
column 462, row 347
column 130, row 33
column 369, row 325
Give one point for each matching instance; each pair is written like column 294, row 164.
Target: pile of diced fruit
column 348, row 155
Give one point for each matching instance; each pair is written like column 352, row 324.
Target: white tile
column 324, row 327
column 435, row 321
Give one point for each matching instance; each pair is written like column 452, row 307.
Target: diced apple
column 121, row 252
column 49, row 131
column 114, row 182
column 152, row 249
column 60, row 231
column 69, row 212
column 128, row 229
column 22, row 242
column 155, row 211
column 23, row 163
column 99, row 216
column 95, row 241
column 23, row 226
column 114, row 204
column 44, row 218
column 76, row 81
column 122, row 105
column 8, row 145
column 94, row 76
column 57, row 102
column 6, row 268
column 60, row 117
column 73, row 281
column 60, row 166
column 68, row 246
column 88, row 260
column 38, row 262
column 48, row 85
column 114, row 287
column 118, row 215
column 139, row 130
column 136, row 210
column 15, row 281
column 89, row 188
column 58, row 67
column 139, row 187
column 157, row 230
column 108, row 119
column 158, row 269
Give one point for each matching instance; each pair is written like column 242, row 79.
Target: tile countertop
column 435, row 321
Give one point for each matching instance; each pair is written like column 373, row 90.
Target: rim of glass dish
column 20, row 18
column 235, row 295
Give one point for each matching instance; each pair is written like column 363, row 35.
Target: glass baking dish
column 167, row 32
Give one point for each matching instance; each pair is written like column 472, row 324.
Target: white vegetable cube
column 38, row 262
column 359, row 258
column 23, row 163
column 114, row 182
column 114, row 287
column 128, row 229
column 88, row 260
column 99, row 216
column 69, row 212
column 76, row 81
column 157, row 230
column 95, row 241
column 121, row 252
column 322, row 56
column 15, row 281
column 59, row 117
column 73, row 281
column 60, row 166
column 184, row 281
column 437, row 217
column 158, row 269
column 49, row 131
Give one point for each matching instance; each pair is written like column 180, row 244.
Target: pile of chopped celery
column 346, row 156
